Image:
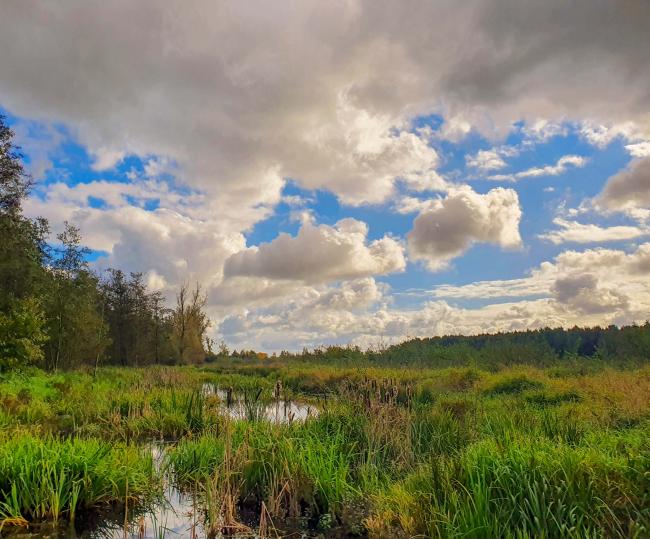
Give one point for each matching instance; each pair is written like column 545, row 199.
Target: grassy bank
column 562, row 451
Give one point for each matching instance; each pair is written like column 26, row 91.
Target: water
column 179, row 513
column 281, row 411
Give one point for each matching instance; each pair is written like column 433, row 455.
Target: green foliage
column 87, row 321
column 21, row 334
column 587, row 349
column 195, row 459
column 545, row 399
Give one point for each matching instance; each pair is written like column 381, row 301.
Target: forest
column 58, row 313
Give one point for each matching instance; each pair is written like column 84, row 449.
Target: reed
column 459, row 451
column 53, row 479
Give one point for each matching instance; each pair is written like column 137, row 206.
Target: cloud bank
column 227, row 104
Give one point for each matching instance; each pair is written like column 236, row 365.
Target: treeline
column 547, row 346
column 629, row 344
column 57, row 313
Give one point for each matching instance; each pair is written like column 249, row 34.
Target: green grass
column 48, row 478
column 393, row 452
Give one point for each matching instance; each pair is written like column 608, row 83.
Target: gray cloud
column 451, row 225
column 240, row 96
column 629, row 190
column 584, row 294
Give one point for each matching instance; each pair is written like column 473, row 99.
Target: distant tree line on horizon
column 55, row 312
column 545, row 346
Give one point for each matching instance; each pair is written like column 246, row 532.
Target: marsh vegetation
column 464, row 451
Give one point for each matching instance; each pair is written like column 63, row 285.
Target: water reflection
column 176, row 515
column 179, row 513
column 247, row 407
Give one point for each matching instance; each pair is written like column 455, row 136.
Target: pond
column 179, row 513
column 243, row 406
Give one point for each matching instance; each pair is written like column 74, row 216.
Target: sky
column 349, row 172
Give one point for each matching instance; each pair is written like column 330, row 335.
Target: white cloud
column 320, row 254
column 302, row 265
column 639, row 149
column 40, row 142
column 591, row 282
column 452, row 224
column 598, row 286
column 408, row 204
column 319, row 93
column 155, row 167
column 106, row 158
column 486, row 160
column 602, row 135
column 560, row 167
column 575, row 232
column 172, row 243
column 242, row 96
column 563, row 163
column 498, row 289
column 543, row 130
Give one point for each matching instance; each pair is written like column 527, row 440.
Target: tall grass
column 453, row 452
column 528, row 489
column 54, row 479
column 452, row 469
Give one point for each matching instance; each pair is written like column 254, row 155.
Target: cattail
column 229, row 399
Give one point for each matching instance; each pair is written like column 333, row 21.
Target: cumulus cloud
column 628, row 190
column 233, row 92
column 592, row 282
column 172, row 243
column 313, row 321
column 584, row 295
column 452, row 224
column 575, row 232
column 320, row 254
column 596, row 286
column 302, row 266
column 239, row 97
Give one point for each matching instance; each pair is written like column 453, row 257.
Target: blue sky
column 329, row 177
